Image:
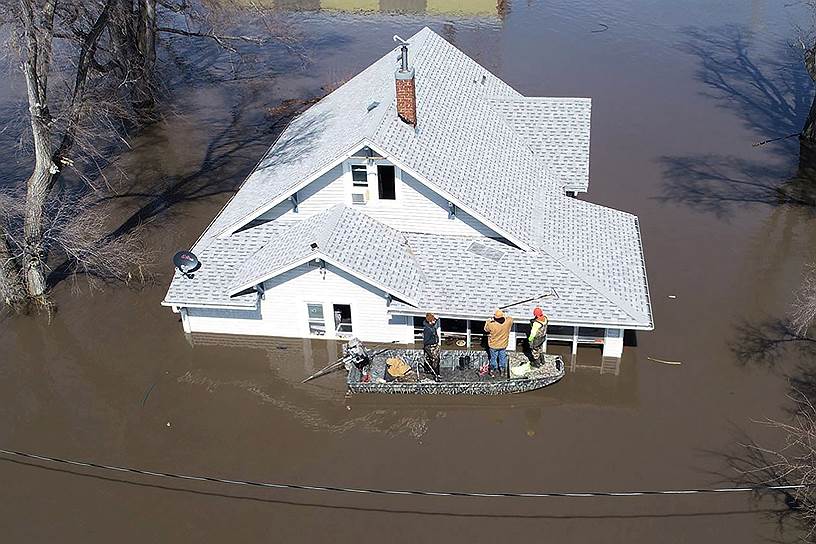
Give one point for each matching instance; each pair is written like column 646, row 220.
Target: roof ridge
column 590, row 280
column 587, row 277
column 402, row 235
column 328, row 227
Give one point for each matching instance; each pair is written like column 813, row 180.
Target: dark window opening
column 386, row 174
column 342, row 319
column 560, row 330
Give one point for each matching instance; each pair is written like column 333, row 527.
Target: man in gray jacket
column 430, row 344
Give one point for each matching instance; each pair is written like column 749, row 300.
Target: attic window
column 359, row 175
column 485, row 251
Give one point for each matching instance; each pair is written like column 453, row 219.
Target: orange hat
column 538, row 312
column 498, row 314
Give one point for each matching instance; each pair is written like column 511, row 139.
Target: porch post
column 574, row 340
column 185, row 320
column 469, row 335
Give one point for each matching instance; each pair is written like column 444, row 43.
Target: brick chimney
column 406, row 89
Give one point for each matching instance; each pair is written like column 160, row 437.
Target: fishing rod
column 552, row 293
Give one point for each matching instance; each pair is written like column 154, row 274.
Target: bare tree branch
column 219, row 38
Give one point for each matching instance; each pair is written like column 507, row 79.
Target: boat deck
column 459, row 366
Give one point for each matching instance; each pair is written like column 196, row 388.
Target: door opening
column 342, row 320
column 387, row 182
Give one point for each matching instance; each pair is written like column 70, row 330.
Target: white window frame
column 335, row 332
column 309, row 320
column 373, row 188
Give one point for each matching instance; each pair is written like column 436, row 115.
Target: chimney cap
column 403, row 57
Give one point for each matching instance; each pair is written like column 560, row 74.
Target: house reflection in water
column 482, row 8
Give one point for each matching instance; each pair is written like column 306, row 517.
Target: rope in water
column 304, row 487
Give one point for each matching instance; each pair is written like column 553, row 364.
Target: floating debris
column 665, row 362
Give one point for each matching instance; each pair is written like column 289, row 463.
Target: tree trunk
column 37, row 189
column 809, row 131
column 39, row 35
column 143, row 96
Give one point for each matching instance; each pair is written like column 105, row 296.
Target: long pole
column 552, row 293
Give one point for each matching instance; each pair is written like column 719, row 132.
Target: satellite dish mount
column 186, row 262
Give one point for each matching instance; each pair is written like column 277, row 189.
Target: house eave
column 483, row 317
column 180, row 304
column 283, row 195
column 329, row 260
column 456, row 202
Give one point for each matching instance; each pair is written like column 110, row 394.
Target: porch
column 469, row 334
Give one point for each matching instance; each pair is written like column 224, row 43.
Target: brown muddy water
column 113, row 379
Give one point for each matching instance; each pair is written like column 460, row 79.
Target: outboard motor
column 356, row 354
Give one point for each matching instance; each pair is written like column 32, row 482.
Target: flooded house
column 423, row 184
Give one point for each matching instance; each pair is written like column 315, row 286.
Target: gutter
column 482, row 317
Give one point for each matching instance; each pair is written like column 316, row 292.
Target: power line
column 411, row 492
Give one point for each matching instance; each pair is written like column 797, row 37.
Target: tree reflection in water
column 771, row 95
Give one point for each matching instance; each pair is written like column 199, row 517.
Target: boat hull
column 455, row 380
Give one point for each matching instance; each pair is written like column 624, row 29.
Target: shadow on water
column 771, row 95
column 385, row 510
column 750, row 464
column 228, row 155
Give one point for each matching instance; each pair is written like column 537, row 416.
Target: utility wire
column 304, row 487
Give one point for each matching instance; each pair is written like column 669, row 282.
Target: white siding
column 225, row 321
column 419, row 209
column 416, row 208
column 321, row 194
column 283, row 311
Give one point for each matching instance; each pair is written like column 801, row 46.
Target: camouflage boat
column 459, row 373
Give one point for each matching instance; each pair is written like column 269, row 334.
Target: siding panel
column 321, row 194
column 416, row 208
column 283, row 310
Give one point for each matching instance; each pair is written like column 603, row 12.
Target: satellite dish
column 186, row 262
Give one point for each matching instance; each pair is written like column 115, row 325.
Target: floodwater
column 680, row 92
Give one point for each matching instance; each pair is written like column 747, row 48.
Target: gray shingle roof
column 602, row 246
column 557, row 130
column 503, row 157
column 460, row 282
column 464, row 144
column 346, row 236
column 220, row 260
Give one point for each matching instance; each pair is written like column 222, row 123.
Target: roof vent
column 372, row 106
column 483, row 250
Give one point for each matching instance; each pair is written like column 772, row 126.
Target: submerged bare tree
column 807, row 42
column 89, row 69
column 792, row 464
